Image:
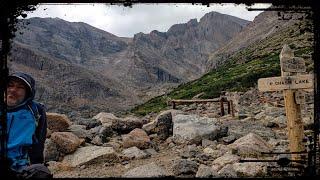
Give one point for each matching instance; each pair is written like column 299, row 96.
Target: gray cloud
column 125, row 21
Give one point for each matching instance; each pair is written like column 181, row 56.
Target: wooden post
column 293, row 111
column 229, row 107
column 221, row 106
column 232, row 108
column 294, row 124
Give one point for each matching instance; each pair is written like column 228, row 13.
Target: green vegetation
column 236, row 77
column 241, row 71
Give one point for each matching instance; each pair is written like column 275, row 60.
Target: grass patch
column 230, row 77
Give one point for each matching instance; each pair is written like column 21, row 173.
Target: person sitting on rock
column 26, row 128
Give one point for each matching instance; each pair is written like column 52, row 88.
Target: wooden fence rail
column 221, row 100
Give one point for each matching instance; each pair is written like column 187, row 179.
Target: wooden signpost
column 294, row 64
column 286, row 82
column 291, row 83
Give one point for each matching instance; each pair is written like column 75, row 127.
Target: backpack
column 39, row 136
column 36, row 108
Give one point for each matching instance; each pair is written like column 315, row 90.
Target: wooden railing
column 220, row 100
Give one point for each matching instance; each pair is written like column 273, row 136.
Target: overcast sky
column 125, row 21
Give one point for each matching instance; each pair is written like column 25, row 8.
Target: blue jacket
column 26, row 129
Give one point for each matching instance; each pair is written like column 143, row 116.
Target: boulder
column 56, row 167
column 164, row 125
column 189, row 151
column 206, row 142
column 138, row 138
column 90, row 155
column 250, row 145
column 205, row 171
column 182, row 167
column 101, row 135
column 106, row 118
column 58, row 122
column 146, row 171
column 105, row 132
column 222, row 161
column 250, row 169
column 94, row 131
column 97, row 140
column 227, row 172
column 151, row 151
column 150, row 128
column 242, row 128
column 225, row 149
column 115, row 145
column 66, row 142
column 88, row 123
column 127, row 124
column 192, row 129
column 134, row 153
column 51, row 152
column 213, row 153
column 229, row 139
column 79, row 130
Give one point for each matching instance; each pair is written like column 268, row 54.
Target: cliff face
column 78, row 43
column 79, row 66
column 181, row 52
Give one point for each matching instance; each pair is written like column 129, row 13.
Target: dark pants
column 34, row 171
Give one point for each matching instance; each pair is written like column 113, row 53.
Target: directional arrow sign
column 294, row 64
column 287, row 82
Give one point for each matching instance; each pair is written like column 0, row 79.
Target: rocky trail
column 190, row 141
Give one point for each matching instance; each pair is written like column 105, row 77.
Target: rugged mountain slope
column 66, row 87
column 240, row 68
column 265, row 25
column 179, row 55
column 85, row 68
column 78, row 43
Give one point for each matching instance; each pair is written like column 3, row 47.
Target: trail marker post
column 291, row 83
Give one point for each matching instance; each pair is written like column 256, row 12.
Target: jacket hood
column 29, row 82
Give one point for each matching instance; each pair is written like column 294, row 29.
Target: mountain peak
column 219, row 17
column 192, row 22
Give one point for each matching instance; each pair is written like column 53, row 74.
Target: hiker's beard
column 13, row 100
